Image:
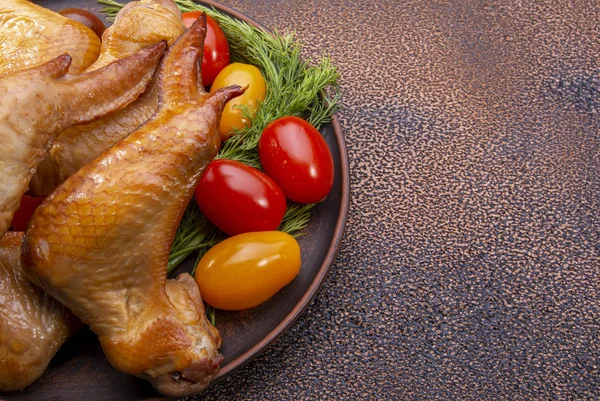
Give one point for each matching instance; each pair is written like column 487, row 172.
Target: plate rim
column 332, row 251
column 334, row 246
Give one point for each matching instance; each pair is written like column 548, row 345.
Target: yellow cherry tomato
column 242, row 75
column 247, row 269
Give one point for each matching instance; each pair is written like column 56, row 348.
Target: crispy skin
column 31, row 35
column 137, row 25
column 33, row 325
column 100, row 242
column 39, row 103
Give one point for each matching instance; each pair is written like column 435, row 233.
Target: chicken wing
column 33, row 325
column 137, row 25
column 100, row 242
column 31, row 35
column 39, row 103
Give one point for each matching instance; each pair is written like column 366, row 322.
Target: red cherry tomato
column 216, row 49
column 86, row 18
column 238, row 198
column 295, row 155
column 20, row 220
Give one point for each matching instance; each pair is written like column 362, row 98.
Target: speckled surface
column 470, row 265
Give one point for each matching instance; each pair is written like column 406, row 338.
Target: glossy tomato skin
column 86, row 18
column 242, row 75
column 20, row 220
column 238, row 198
column 295, row 155
column 216, row 48
column 245, row 270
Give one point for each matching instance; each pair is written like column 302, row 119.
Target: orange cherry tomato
column 245, row 270
column 216, row 48
column 242, row 75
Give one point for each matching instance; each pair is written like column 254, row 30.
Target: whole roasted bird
column 31, row 35
column 137, row 25
column 33, row 325
column 39, row 103
column 100, row 242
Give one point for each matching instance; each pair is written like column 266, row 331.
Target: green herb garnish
column 211, row 315
column 294, row 87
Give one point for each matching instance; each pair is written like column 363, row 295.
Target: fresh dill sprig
column 194, row 233
column 294, row 88
column 111, row 8
column 296, row 218
column 211, row 314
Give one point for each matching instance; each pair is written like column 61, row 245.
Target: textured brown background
column 470, row 265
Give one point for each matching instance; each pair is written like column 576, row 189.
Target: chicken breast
column 100, row 242
column 31, row 35
column 39, row 103
column 137, row 25
column 33, row 325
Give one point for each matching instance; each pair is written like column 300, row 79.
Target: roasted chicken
column 137, row 25
column 39, row 103
column 33, row 325
column 100, row 242
column 31, row 35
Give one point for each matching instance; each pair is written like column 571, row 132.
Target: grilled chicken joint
column 138, row 25
column 100, row 242
column 33, row 325
column 32, row 115
column 85, row 257
column 32, row 35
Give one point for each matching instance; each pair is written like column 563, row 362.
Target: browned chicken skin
column 100, row 242
column 137, row 25
column 39, row 103
column 33, row 325
column 31, row 35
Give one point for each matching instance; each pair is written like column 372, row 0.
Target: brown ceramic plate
column 80, row 371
